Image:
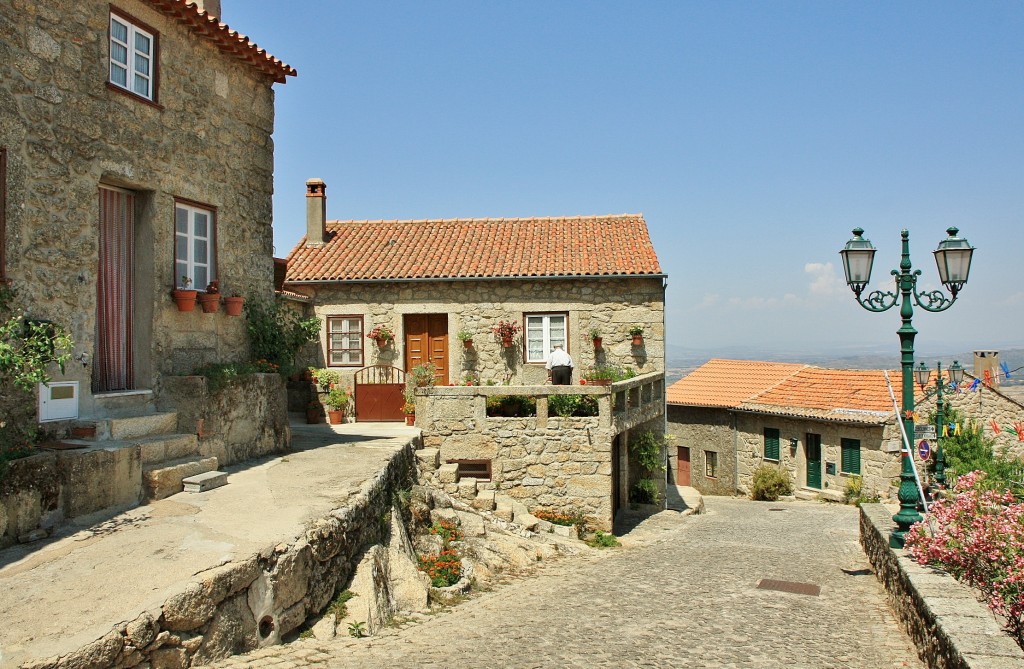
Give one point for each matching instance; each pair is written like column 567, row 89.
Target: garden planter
column 313, row 416
column 410, row 419
column 209, row 302
column 336, row 416
column 638, row 340
column 597, row 342
column 506, row 342
column 83, row 431
column 185, row 299
column 233, row 305
column 468, row 343
column 382, row 342
column 454, row 593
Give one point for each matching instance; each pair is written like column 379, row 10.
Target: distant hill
column 680, row 360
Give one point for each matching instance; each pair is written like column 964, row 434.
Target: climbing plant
column 276, row 334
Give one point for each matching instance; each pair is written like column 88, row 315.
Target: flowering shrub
column 506, row 329
column 444, row 569
column 448, row 530
column 979, row 539
column 558, row 518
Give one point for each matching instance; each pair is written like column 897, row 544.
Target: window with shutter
column 771, row 444
column 850, row 461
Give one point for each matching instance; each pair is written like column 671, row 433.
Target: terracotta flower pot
column 410, row 419
column 233, row 305
column 638, row 340
column 506, row 342
column 83, row 431
column 210, row 302
column 382, row 342
column 468, row 343
column 313, row 416
column 336, row 416
column 597, row 342
column 185, row 299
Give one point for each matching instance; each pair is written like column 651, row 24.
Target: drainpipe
column 735, row 454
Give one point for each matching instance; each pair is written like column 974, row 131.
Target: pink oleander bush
column 979, row 539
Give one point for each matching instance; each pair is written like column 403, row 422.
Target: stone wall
column 738, row 439
column 247, row 419
column 251, row 603
column 984, row 406
column 949, row 626
column 613, row 305
column 66, row 133
column 40, row 492
column 703, row 429
column 545, row 461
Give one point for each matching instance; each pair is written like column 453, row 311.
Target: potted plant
column 382, row 334
column 637, row 333
column 210, row 300
column 506, row 331
column 233, row 304
column 409, row 408
column 337, row 400
column 314, row 412
column 326, row 378
column 423, row 375
column 184, row 297
column 595, row 336
column 466, row 337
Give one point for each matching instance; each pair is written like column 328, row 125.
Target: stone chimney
column 209, row 6
column 987, row 361
column 316, row 212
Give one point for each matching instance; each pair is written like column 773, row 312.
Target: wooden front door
column 813, row 460
column 112, row 363
column 426, row 340
column 682, row 465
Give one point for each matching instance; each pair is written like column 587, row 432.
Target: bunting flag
column 988, row 377
column 1006, row 370
column 1019, row 427
column 995, row 426
column 974, row 385
column 956, row 429
column 945, row 429
column 908, row 415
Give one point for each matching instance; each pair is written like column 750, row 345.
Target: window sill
column 134, row 96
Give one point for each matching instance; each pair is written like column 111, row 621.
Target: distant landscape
column 680, row 360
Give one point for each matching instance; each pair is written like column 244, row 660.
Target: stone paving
column 680, row 592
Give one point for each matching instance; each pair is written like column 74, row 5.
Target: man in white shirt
column 559, row 367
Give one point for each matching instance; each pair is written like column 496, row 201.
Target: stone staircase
column 171, row 461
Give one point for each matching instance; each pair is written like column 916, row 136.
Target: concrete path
column 57, row 596
column 681, row 592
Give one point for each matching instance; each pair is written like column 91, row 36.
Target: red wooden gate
column 682, row 466
column 378, row 393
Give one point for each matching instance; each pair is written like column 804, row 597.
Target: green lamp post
column 923, row 375
column 953, row 258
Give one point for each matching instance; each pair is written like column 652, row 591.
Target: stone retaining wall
column 252, row 603
column 951, row 628
column 247, row 419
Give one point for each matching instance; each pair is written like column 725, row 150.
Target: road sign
column 924, row 449
column 924, row 431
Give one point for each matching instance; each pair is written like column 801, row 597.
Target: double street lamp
column 953, row 259
column 923, row 375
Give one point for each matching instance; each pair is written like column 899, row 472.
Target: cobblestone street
column 681, row 592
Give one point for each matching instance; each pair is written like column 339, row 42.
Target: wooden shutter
column 771, row 443
column 850, row 456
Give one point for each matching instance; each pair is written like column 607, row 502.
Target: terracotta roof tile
column 728, row 383
column 831, row 389
column 478, row 248
column 227, row 40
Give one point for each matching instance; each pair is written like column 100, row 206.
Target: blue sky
column 753, row 136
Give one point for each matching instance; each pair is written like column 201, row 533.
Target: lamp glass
column 956, row 372
column 953, row 259
column 922, row 374
column 858, row 256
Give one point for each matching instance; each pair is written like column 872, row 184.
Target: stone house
column 427, row 281
column 821, row 425
column 135, row 149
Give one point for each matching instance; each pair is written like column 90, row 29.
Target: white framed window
column 132, row 57
column 543, row 331
column 194, row 239
column 345, row 341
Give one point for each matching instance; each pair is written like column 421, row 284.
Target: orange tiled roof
column 829, row 389
column 728, row 383
column 226, row 39
column 478, row 248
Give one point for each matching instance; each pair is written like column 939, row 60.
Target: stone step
column 205, row 481
column 168, row 447
column 122, row 403
column 429, row 459
column 484, row 500
column 166, row 479
column 123, row 428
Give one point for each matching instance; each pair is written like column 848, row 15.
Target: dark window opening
column 475, row 469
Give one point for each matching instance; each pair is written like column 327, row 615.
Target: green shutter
column 771, row 443
column 851, row 456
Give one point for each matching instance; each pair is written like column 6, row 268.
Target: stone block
column 484, row 500
column 166, row 480
column 448, row 473
column 429, row 459
column 467, row 488
column 205, row 481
